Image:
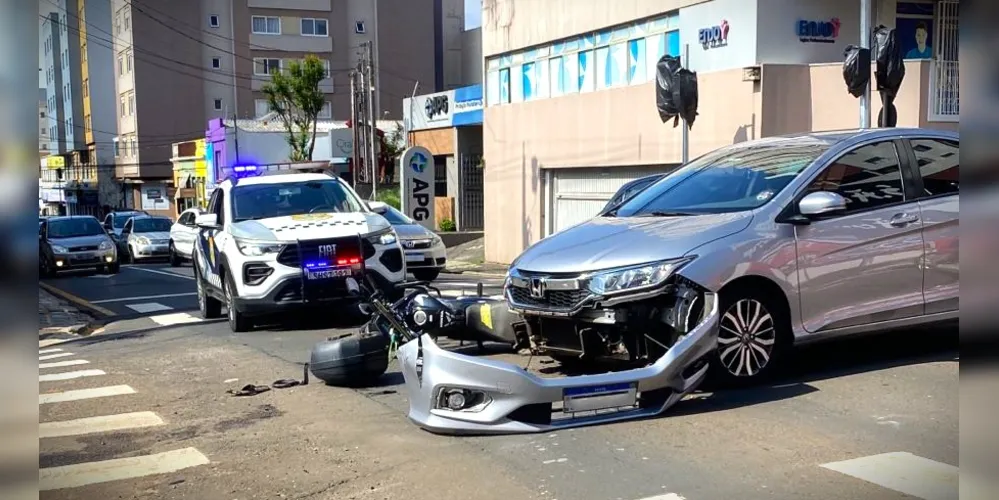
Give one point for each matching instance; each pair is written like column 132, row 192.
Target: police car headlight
column 255, row 248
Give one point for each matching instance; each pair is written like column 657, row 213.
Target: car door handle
column 900, row 220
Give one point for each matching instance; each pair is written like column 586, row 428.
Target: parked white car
column 426, row 255
column 146, row 237
column 182, row 236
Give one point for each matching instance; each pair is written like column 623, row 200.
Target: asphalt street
column 875, row 417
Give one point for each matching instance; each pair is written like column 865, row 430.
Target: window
column 128, row 20
column 129, row 63
column 265, row 25
column 131, row 104
column 117, row 24
column 326, row 66
column 83, row 52
column 252, row 201
column 586, row 74
column 261, row 107
column 213, row 21
column 938, row 162
column 121, row 65
column 86, row 83
column 121, row 100
column 869, row 177
column 314, row 27
column 262, row 66
column 216, row 62
column 116, row 146
column 218, row 104
column 359, row 27
column 41, row 131
column 88, row 124
column 135, row 148
column 326, row 112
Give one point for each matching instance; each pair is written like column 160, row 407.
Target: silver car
column 722, row 265
column 426, row 255
column 146, row 237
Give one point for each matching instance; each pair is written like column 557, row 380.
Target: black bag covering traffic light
column 856, row 69
column 888, row 73
column 676, row 91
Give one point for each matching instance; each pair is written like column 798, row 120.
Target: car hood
column 610, row 242
column 80, row 241
column 309, row 227
column 154, row 235
column 412, row 232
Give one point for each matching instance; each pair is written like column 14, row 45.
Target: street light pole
column 865, row 42
column 685, row 141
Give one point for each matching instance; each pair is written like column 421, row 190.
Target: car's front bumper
column 151, row 251
column 520, row 402
column 426, row 258
column 80, row 260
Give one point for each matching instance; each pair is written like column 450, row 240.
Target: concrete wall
column 452, row 29
column 407, row 55
column 471, row 57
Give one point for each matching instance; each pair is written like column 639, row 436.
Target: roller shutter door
column 577, row 194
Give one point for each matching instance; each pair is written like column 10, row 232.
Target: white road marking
column 54, row 356
column 49, row 351
column 49, row 342
column 148, row 307
column 146, row 297
column 52, row 377
column 76, row 475
column 157, row 271
column 174, row 319
column 61, row 364
column 668, row 496
column 76, row 395
column 903, row 472
column 101, row 276
column 104, row 423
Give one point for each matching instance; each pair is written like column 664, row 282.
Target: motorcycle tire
column 353, row 360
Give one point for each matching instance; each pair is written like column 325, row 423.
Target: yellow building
column 189, row 174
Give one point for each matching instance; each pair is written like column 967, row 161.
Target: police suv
column 277, row 241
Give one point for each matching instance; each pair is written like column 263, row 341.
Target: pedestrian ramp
column 108, row 470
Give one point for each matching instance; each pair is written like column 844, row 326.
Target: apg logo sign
column 818, row 31
column 715, row 36
column 418, row 163
column 436, row 107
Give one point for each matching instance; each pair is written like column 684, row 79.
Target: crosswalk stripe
column 903, row 472
column 49, row 351
column 54, row 356
column 78, row 394
column 174, row 319
column 60, row 364
column 104, row 423
column 76, row 475
column 52, row 377
column 148, row 307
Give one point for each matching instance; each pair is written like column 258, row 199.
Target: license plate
column 325, row 274
column 414, row 257
column 599, row 397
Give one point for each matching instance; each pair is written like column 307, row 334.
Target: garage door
column 577, row 194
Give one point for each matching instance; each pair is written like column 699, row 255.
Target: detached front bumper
column 506, row 399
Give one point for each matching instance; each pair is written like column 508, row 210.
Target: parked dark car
column 631, row 188
column 75, row 242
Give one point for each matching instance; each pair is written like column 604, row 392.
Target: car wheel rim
column 228, row 304
column 746, row 338
column 201, row 293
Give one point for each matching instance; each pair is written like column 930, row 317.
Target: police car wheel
column 209, row 307
column 238, row 322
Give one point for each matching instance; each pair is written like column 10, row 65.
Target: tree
column 295, row 96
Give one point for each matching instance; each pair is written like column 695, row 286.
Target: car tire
column 754, row 336
column 426, row 274
column 174, row 257
column 238, row 322
column 114, row 268
column 209, row 307
column 131, row 255
column 47, row 271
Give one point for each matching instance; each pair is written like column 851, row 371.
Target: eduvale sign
column 714, row 36
column 821, row 31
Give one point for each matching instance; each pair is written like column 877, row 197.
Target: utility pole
column 865, row 42
column 369, row 90
column 235, row 131
column 362, row 143
column 353, row 129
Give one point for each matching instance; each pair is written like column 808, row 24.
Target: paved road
column 871, row 418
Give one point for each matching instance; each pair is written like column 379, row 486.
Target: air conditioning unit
column 751, row 74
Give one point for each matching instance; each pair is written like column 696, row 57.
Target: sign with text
column 416, row 166
column 823, row 31
column 715, row 36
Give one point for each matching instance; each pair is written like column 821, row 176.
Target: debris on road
column 249, row 390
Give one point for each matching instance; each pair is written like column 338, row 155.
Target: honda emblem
column 538, row 288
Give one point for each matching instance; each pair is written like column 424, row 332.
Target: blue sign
column 714, row 36
column 467, row 106
column 818, row 31
column 418, row 163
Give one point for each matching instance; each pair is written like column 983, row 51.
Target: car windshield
column 731, row 179
column 118, row 221
column 396, row 217
column 260, row 201
column 71, row 228
column 151, row 225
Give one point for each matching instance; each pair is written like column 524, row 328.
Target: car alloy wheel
column 746, row 338
column 230, row 310
column 201, row 292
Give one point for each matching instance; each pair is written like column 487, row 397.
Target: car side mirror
column 378, row 207
column 207, row 221
column 821, row 203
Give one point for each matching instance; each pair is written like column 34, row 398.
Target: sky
column 473, row 14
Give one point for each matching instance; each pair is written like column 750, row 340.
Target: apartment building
column 51, row 36
column 43, row 123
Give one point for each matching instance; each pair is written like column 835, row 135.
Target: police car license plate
column 325, row 274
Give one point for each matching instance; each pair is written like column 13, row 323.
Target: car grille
column 289, row 256
column 88, row 248
column 416, row 244
column 562, row 300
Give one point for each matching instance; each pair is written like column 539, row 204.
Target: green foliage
column 294, row 94
column 447, row 225
column 395, row 143
column 389, row 197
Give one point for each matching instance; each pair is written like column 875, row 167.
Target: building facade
column 570, row 95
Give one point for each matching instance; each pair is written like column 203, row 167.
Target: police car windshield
column 261, row 201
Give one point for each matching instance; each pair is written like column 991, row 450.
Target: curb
column 472, row 272
column 77, row 301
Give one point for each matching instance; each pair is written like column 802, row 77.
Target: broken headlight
column 634, row 278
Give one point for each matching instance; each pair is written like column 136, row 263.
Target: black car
column 631, row 188
column 75, row 242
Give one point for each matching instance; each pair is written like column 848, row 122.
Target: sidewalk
column 58, row 316
column 484, row 268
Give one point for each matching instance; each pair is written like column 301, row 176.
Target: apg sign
column 436, row 107
column 818, row 31
column 417, row 184
column 715, row 36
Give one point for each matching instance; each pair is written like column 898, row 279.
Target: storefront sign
column 437, row 107
column 55, row 162
column 715, row 36
column 818, row 31
column 467, row 106
column 417, row 168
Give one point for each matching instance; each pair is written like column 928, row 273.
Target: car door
column 44, row 249
column 863, row 265
column 189, row 231
column 126, row 231
column 181, row 233
column 208, row 242
column 935, row 163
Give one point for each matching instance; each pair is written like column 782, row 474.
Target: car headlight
column 106, row 245
column 386, row 238
column 142, row 240
column 633, row 278
column 436, row 240
column 253, row 248
column 59, row 249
